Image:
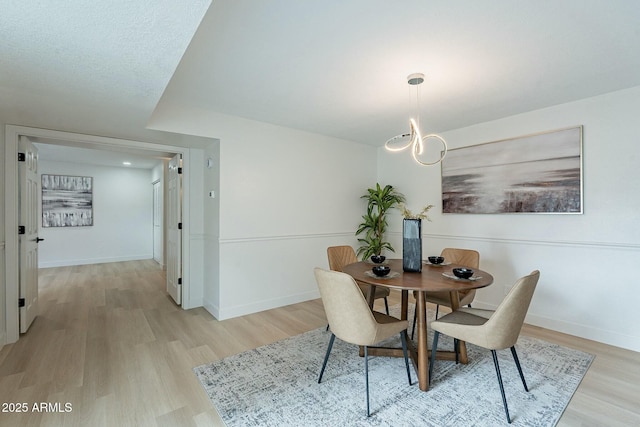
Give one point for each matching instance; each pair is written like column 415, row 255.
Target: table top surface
column 431, row 279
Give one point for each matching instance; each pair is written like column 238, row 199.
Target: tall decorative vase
column 412, row 245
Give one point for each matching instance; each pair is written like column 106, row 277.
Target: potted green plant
column 407, row 214
column 379, row 201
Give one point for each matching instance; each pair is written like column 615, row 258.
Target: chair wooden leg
column 403, row 338
column 504, row 398
column 326, row 357
column 366, row 374
column 515, row 358
column 434, row 349
column 386, row 305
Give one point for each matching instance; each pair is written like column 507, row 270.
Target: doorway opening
column 12, row 197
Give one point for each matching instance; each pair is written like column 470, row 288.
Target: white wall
column 123, row 218
column 3, row 320
column 285, row 196
column 212, row 228
column 3, row 291
column 193, row 224
column 585, row 288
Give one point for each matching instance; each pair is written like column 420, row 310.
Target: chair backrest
column 349, row 315
column 467, row 257
column 339, row 256
column 504, row 325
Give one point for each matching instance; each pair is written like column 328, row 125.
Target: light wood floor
column 113, row 345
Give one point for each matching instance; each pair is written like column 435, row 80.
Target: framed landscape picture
column 540, row 173
column 67, row 201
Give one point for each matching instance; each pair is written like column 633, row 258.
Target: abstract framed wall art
column 540, row 173
column 67, row 201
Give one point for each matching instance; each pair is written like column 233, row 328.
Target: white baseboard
column 587, row 332
column 66, row 263
column 241, row 310
column 214, row 310
column 575, row 329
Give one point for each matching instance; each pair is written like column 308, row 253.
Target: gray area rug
column 276, row 385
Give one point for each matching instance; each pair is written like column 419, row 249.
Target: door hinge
column 179, row 280
column 179, row 226
column 21, row 302
column 22, row 157
column 179, row 171
column 21, row 229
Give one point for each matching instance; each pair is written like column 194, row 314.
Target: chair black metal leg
column 403, row 338
column 326, row 357
column 327, row 327
column 456, row 349
column 386, row 305
column 504, row 398
column 415, row 316
column 437, row 309
column 434, row 348
column 366, row 374
column 515, row 358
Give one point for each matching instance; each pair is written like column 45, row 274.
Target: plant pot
column 412, row 245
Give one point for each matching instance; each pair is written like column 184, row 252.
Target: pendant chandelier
column 414, row 138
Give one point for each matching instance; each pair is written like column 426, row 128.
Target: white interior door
column 28, row 232
column 174, row 229
column 158, row 255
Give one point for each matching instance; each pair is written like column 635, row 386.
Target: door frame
column 28, row 215
column 162, row 222
column 12, row 135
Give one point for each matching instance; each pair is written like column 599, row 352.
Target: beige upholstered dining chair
column 467, row 257
column 493, row 330
column 352, row 321
column 339, row 256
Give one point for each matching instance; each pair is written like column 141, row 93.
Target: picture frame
column 67, row 201
column 537, row 173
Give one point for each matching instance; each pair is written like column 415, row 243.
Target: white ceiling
column 90, row 67
column 57, row 151
column 333, row 67
column 339, row 67
column 95, row 61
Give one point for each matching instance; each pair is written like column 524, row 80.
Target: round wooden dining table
column 432, row 278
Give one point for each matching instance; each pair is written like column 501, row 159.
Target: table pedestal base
column 421, row 364
column 413, row 355
column 430, row 279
